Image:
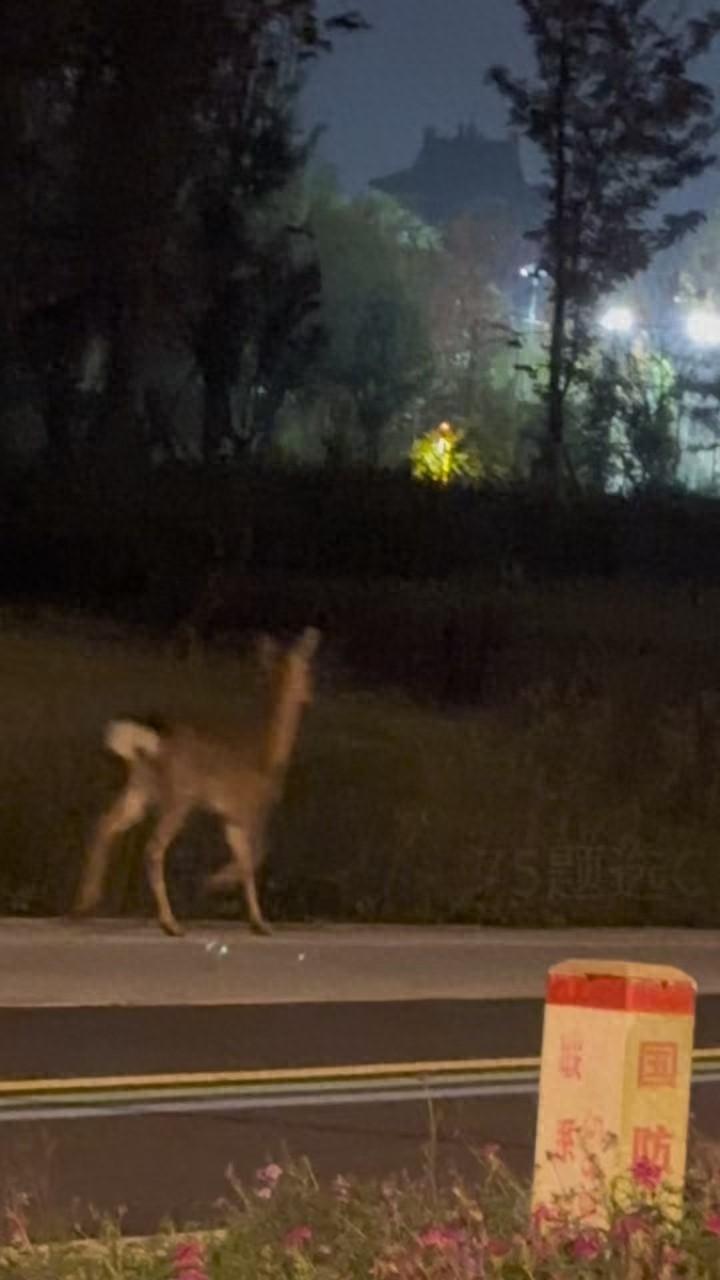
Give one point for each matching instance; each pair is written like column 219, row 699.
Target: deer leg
column 227, row 877
column 242, row 852
column 169, row 823
column 124, row 812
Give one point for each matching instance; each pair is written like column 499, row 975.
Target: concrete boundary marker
column 615, row 1080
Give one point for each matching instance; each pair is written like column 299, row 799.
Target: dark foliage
column 620, row 121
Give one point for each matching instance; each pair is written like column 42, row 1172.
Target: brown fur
column 178, row 770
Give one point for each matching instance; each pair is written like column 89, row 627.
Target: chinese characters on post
column 615, row 1081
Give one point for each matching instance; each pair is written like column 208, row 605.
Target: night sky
column 423, row 63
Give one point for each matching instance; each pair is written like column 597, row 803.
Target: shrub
column 287, row 1225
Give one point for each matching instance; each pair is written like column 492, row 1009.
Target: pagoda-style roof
column 465, row 174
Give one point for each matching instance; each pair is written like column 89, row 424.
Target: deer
column 176, row 770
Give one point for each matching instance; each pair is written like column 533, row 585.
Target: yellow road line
column 275, row 1075
column 298, row 1075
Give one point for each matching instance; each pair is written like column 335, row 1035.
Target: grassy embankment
column 581, row 786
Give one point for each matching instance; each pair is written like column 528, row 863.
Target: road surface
column 175, row 1164
column 114, row 1000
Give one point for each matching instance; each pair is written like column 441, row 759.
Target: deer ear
column 308, row 643
column 266, row 652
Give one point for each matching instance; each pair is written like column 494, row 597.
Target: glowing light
column 618, row 319
column 703, row 327
column 442, row 442
column 531, row 271
column 439, row 456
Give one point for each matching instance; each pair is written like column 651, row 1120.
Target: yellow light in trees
column 439, row 457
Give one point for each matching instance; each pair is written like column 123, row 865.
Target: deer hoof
column 172, row 929
column 261, row 928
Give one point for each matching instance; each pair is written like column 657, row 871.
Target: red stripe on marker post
column 621, row 992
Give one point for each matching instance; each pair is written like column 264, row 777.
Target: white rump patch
column 129, row 739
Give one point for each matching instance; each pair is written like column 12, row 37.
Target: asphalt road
column 53, row 1042
column 174, row 1165
column 116, row 962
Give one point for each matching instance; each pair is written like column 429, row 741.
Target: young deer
column 178, row 770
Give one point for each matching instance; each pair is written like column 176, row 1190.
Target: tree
column 627, row 409
column 243, row 270
column 377, row 350
column 185, row 80
column 691, row 293
column 288, row 337
column 649, row 413
column 620, row 122
column 389, row 364
column 106, row 107
column 38, row 46
column 140, row 74
column 467, row 317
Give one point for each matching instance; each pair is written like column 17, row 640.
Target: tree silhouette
column 619, row 122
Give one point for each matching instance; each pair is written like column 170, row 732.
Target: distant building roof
column 465, row 174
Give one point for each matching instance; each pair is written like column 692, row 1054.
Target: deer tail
column 130, row 739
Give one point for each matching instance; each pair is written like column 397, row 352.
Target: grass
column 582, row 789
column 286, row 1225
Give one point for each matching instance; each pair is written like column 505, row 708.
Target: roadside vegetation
column 581, row 787
column 288, row 1225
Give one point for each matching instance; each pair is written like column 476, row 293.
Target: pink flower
column 441, row 1238
column 264, row 1193
column 270, row 1174
column 543, row 1214
column 296, row 1237
column 189, row 1254
column 189, row 1261
column 712, row 1223
column 586, row 1247
column 498, row 1248
column 646, row 1174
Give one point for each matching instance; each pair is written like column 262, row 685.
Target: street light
column 535, row 274
column 703, row 327
column 618, row 319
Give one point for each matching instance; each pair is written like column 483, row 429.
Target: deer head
column 289, row 674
